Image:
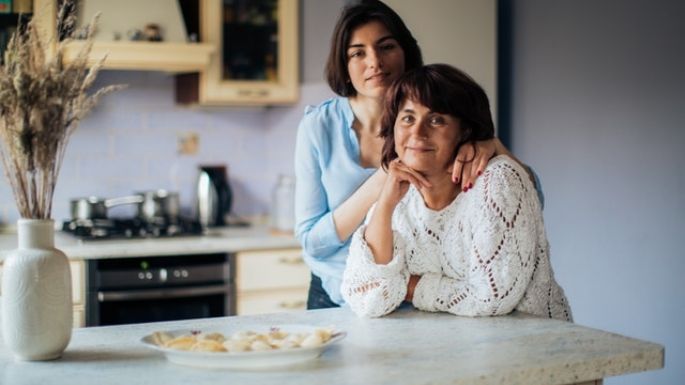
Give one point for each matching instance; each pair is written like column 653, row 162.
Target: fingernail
column 465, row 189
column 470, row 185
column 480, row 173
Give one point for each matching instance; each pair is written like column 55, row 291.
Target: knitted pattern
column 484, row 254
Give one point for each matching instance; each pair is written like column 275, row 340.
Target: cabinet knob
column 292, row 304
column 291, row 260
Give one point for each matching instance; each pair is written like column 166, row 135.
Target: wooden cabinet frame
column 127, row 55
column 213, row 90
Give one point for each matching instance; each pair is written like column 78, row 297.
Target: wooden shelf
column 146, row 56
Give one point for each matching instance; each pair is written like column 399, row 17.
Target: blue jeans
column 317, row 297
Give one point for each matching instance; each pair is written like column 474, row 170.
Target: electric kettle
column 214, row 196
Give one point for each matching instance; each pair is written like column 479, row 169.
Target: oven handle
column 134, row 295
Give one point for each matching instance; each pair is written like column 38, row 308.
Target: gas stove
column 124, row 228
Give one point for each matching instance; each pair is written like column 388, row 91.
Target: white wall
column 457, row 32
column 598, row 109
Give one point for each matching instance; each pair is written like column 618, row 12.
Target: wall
column 129, row 142
column 598, row 110
column 457, row 32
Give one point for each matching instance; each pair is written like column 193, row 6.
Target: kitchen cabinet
column 128, row 55
column 78, row 291
column 257, row 56
column 271, row 281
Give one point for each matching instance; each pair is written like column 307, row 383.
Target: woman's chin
column 421, row 166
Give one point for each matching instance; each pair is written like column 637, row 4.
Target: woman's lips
column 379, row 77
column 419, row 148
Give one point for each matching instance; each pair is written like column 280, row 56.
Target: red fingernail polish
column 470, row 185
column 464, row 189
column 480, row 173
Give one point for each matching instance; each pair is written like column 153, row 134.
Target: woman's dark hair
column 442, row 89
column 354, row 16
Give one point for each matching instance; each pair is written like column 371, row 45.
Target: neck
column 367, row 112
column 442, row 192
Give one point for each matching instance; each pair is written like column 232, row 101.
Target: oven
column 164, row 288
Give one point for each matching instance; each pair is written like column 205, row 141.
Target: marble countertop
column 257, row 237
column 407, row 347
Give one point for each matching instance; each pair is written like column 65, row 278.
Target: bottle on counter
column 283, row 204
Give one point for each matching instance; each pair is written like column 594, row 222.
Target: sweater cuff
column 425, row 292
column 393, row 268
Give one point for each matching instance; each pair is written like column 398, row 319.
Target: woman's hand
column 471, row 161
column 411, row 285
column 397, row 183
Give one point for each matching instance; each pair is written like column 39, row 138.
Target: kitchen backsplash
column 130, row 143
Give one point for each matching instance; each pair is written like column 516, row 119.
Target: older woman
column 426, row 241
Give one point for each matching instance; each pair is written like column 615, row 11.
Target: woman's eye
column 388, row 47
column 437, row 121
column 407, row 119
column 354, row 54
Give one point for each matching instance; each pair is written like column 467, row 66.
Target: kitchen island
column 406, row 347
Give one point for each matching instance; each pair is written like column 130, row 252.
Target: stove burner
column 130, row 228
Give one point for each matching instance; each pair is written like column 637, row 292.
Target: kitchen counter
column 407, row 347
column 257, row 237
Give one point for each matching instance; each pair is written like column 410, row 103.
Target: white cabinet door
column 271, row 281
column 260, row 270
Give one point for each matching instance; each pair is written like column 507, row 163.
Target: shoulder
column 504, row 184
column 330, row 111
column 319, row 121
column 503, row 169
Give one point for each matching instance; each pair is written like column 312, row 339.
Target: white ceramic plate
column 244, row 360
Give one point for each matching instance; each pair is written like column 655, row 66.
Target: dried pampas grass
column 42, row 100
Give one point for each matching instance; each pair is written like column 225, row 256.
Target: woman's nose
column 420, row 129
column 374, row 59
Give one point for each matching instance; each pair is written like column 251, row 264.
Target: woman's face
column 374, row 59
column 425, row 140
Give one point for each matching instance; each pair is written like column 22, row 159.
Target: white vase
column 36, row 294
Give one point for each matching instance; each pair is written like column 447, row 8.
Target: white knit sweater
column 484, row 254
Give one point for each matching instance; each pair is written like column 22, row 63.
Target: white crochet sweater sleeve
column 489, row 247
column 370, row 289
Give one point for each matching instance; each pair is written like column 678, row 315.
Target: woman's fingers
column 465, row 159
column 485, row 150
column 456, row 170
column 473, row 158
column 410, row 175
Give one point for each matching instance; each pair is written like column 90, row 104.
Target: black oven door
column 152, row 305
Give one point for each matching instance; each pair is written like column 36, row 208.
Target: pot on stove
column 96, row 208
column 151, row 206
column 158, row 205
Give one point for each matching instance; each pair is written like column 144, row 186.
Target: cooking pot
column 96, row 208
column 152, row 205
column 158, row 204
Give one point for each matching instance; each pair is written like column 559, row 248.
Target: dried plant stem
column 42, row 100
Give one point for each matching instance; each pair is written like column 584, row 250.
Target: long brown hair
column 442, row 89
